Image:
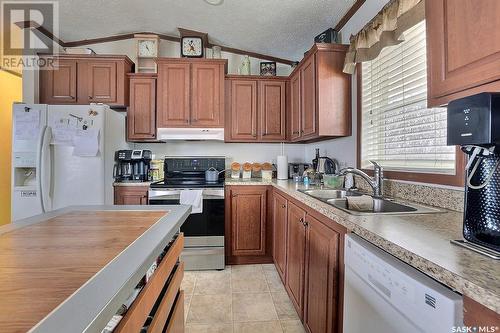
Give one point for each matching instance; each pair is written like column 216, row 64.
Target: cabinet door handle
column 301, row 220
column 296, row 132
column 72, row 97
column 302, row 131
column 305, row 223
column 187, row 121
column 283, row 206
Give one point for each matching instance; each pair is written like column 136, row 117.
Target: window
column 397, row 128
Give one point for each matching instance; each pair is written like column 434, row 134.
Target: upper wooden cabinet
column 141, row 115
column 463, row 48
column 85, row 79
column 58, row 86
column 190, row 92
column 320, row 95
column 256, row 109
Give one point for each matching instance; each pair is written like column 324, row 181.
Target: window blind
column 398, row 130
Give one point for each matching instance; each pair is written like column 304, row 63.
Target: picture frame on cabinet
column 268, row 68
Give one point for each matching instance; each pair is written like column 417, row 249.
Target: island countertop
column 69, row 270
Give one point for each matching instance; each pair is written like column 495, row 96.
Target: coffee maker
column 132, row 165
column 474, row 124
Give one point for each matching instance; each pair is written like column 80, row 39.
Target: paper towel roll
column 282, row 163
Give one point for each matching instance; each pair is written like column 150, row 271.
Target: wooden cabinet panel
column 295, row 106
column 207, row 95
column 131, row 195
column 463, row 47
column 295, row 257
column 176, row 323
column 141, row 115
column 243, row 110
column 173, row 100
column 58, row 83
column 272, row 110
column 477, row 315
column 248, row 222
column 84, row 79
column 101, row 81
column 308, row 97
column 322, row 277
column 279, row 233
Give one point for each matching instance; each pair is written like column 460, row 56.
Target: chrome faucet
column 376, row 183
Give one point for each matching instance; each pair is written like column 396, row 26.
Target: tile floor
column 242, row 298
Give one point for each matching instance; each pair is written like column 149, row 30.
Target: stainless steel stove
column 204, row 232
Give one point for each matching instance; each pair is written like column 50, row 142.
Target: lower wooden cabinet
column 131, row 195
column 248, row 235
column 279, row 233
column 323, row 277
column 477, row 315
column 295, row 254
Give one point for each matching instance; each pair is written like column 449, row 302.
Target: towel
column 193, row 198
column 363, row 203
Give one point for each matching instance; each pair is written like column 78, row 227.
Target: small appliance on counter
column 132, row 166
column 297, row 169
column 324, row 164
column 474, row 124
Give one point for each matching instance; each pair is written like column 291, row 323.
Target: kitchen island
column 71, row 269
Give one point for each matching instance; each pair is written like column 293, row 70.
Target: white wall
column 239, row 152
column 344, row 149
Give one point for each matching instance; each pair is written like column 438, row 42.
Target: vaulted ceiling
column 280, row 28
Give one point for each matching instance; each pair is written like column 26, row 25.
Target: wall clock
column 192, row 47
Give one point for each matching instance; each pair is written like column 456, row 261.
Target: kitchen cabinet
column 207, row 95
column 477, row 315
column 131, row 195
column 320, row 95
column 102, row 81
column 271, row 99
column 324, row 249
column 190, row 92
column 243, row 111
column 85, row 79
column 295, row 256
column 280, row 212
column 256, row 109
column 141, row 114
column 248, row 235
column 295, row 106
column 58, row 86
column 463, row 48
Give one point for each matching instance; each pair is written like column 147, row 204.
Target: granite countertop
column 89, row 265
column 420, row 240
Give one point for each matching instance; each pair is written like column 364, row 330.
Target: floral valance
column 383, row 30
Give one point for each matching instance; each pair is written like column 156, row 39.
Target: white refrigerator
column 63, row 155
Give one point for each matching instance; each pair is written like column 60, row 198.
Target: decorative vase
column 245, row 66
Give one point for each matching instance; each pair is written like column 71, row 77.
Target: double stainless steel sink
column 337, row 198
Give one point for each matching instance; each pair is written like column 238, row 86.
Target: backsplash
column 427, row 194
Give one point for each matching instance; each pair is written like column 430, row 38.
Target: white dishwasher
column 382, row 294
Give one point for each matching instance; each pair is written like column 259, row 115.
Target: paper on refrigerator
column 27, row 124
column 64, row 131
column 86, row 142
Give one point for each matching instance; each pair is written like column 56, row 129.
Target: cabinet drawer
column 176, row 320
column 141, row 308
column 168, row 301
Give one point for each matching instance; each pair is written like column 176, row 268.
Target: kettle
column 325, row 165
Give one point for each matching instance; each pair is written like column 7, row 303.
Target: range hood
column 164, row 134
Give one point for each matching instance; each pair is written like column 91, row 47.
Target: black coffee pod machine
column 474, row 124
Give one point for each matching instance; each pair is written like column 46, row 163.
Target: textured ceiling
column 281, row 28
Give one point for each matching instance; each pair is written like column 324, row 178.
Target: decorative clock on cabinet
column 147, row 51
column 192, row 47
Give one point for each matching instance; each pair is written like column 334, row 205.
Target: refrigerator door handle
column 45, row 169
column 38, row 174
